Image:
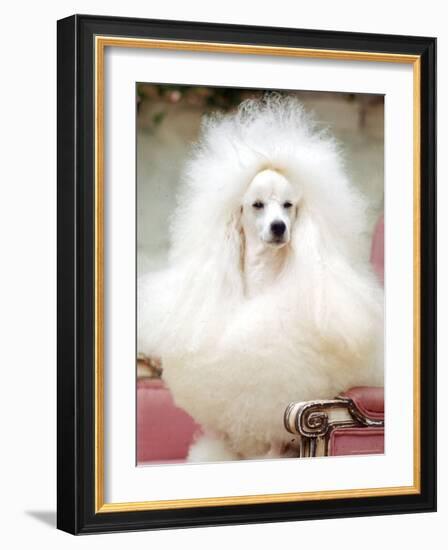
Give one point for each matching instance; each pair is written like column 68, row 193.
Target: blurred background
column 168, row 122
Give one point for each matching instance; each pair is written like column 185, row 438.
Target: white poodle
column 269, row 296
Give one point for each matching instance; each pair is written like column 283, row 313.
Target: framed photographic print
column 246, row 274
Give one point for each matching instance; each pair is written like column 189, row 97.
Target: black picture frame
column 76, row 286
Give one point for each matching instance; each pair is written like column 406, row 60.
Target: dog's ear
column 242, row 240
column 295, row 220
column 235, row 242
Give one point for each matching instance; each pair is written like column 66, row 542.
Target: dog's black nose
column 278, row 228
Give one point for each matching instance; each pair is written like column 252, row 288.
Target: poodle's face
column 269, row 209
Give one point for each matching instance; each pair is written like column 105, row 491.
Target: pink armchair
column 351, row 424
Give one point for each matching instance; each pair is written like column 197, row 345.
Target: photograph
column 260, row 267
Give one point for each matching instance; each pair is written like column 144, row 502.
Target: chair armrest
column 315, row 421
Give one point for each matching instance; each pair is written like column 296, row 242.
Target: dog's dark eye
column 258, row 205
column 287, row 204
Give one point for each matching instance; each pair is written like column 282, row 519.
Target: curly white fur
column 234, row 361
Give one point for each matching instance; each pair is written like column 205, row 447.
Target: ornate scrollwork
column 311, row 418
column 315, row 423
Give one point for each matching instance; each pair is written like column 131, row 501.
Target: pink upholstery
column 369, row 400
column 377, row 251
column 361, row 441
column 164, row 432
column 356, row 441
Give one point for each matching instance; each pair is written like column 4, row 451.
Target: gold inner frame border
column 101, row 42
